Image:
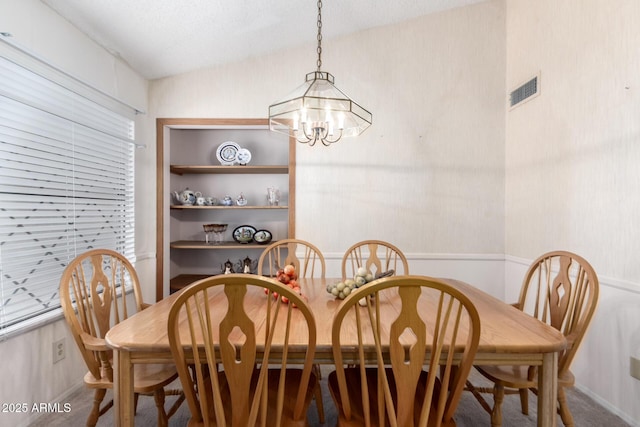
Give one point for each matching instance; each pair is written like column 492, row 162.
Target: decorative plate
column 227, row 153
column 244, row 234
column 262, row 237
column 244, row 156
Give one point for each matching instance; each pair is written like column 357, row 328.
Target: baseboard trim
column 145, row 256
column 423, row 256
column 608, row 406
column 62, row 399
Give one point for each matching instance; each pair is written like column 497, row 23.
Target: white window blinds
column 66, row 186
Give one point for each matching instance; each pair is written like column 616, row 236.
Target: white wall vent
column 524, row 92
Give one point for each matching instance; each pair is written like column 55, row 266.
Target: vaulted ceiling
column 160, row 38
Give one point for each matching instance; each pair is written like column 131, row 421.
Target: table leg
column 548, row 390
column 123, row 389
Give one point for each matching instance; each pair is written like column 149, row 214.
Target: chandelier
column 317, row 110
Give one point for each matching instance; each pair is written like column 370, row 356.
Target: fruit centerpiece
column 362, row 277
column 287, row 276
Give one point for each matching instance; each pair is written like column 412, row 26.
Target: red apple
column 284, row 279
column 289, row 270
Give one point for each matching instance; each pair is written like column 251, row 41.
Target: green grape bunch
column 343, row 289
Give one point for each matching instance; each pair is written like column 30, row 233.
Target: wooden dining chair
column 376, row 256
column 94, row 290
column 233, row 364
column 311, row 264
column 283, row 252
column 561, row 289
column 394, row 389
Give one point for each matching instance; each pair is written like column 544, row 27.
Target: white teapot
column 186, row 196
column 175, row 198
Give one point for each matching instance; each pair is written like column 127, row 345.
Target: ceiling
column 160, row 38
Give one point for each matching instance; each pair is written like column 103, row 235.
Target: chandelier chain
column 319, row 50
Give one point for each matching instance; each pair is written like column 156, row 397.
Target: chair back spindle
column 376, row 256
column 398, row 391
column 95, row 295
column 285, row 252
column 561, row 289
column 239, row 359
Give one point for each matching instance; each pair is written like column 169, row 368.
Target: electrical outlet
column 634, row 369
column 59, row 350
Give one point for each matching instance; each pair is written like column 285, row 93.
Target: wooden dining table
column 508, row 337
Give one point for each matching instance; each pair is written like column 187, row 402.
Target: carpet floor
column 586, row 411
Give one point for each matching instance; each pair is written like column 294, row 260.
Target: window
column 66, row 183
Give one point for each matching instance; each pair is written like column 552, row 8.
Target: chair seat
column 146, row 378
column 352, row 376
column 516, row 376
column 292, row 382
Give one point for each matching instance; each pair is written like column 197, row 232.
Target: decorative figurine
column 247, row 265
column 228, row 267
column 241, row 200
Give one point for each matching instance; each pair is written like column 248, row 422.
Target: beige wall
column 572, row 153
column 572, row 174
column 428, row 175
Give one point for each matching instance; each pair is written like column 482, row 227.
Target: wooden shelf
column 196, row 169
column 183, row 280
column 197, row 244
column 227, row 207
column 183, row 160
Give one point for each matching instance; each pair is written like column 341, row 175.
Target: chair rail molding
column 517, row 264
column 485, row 271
